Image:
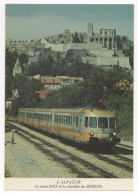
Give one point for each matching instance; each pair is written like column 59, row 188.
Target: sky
column 30, row 21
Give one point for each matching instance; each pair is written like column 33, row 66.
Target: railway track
column 117, row 160
column 123, row 152
column 73, row 162
column 124, row 145
column 83, row 168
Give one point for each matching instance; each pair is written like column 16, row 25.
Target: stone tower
column 90, row 31
column 17, row 68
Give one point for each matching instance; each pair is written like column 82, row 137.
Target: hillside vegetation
column 100, row 88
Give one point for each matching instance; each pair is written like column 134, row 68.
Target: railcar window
column 69, row 120
column 37, row 116
column 93, row 122
column 21, row 113
column 64, row 120
column 40, row 115
column 56, row 119
column 102, row 122
column 60, row 119
column 77, row 121
column 44, row 116
column 73, row 121
column 112, row 122
column 86, row 121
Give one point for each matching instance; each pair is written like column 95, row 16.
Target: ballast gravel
column 24, row 160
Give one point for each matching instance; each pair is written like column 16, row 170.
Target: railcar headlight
column 114, row 133
column 91, row 133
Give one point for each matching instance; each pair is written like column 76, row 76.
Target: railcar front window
column 102, row 122
column 93, row 122
column 112, row 122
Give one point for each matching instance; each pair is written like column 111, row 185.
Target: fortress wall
column 121, row 61
column 103, row 53
column 90, row 60
column 87, row 46
column 55, row 47
column 124, row 62
column 65, row 47
column 119, row 53
column 79, row 46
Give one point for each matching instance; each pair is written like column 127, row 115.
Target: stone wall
column 79, row 46
column 121, row 61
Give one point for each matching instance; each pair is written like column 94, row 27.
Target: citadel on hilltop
column 103, row 39
column 94, row 48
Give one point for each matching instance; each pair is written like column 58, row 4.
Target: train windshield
column 112, row 122
column 102, row 122
column 93, row 122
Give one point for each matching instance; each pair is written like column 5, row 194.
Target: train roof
column 71, row 110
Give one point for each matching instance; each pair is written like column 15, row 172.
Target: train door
column 45, row 121
column 47, row 118
column 38, row 121
column 52, row 122
column 26, row 118
column 76, row 127
column 64, row 129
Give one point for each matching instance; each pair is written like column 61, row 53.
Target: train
column 84, row 125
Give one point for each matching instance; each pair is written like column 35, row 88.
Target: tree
column 23, row 58
column 18, row 81
column 118, row 42
column 76, row 38
column 10, row 60
column 8, row 86
column 32, row 69
column 45, row 64
column 130, row 53
column 28, row 97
